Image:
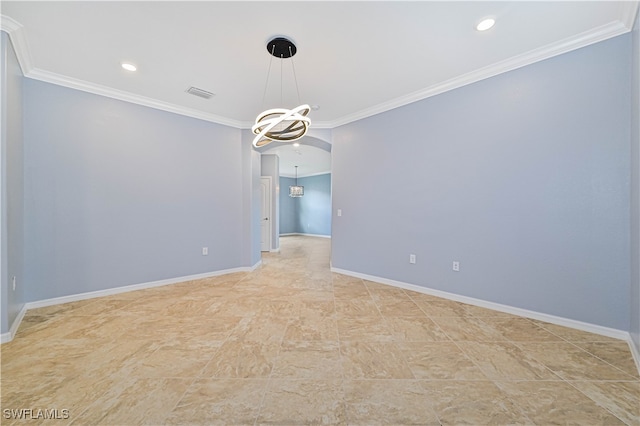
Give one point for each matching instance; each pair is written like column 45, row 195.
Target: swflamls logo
column 36, row 413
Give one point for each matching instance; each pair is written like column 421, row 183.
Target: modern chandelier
column 281, row 124
column 296, row 190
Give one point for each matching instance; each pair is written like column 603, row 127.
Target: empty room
column 320, row 212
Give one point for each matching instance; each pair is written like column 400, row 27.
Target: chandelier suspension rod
column 295, row 78
column 266, row 83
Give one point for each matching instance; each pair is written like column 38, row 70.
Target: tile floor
column 292, row 343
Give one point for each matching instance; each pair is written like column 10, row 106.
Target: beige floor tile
column 520, row 329
column 188, row 306
column 174, row 361
column 374, row 360
column 100, row 307
column 621, row 398
column 31, row 323
column 573, row 335
column 294, row 343
column 144, row 402
column 39, row 391
column 381, row 292
column 312, row 307
column 242, row 359
column 219, row 402
column 478, row 311
column 312, row 328
column 415, row 329
column 440, row 361
column 308, row 360
column 423, row 297
column 444, row 308
column 473, row 403
column 505, row 361
column 399, row 308
column 356, row 308
column 617, row 354
column 573, row 363
column 303, row 402
column 350, row 291
column 373, row 329
column 557, row 402
column 391, row 402
column 202, row 328
column 467, row 329
column 63, row 308
column 260, row 329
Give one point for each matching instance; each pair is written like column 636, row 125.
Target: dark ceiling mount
column 281, row 47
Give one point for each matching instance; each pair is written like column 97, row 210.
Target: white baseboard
column 305, row 235
column 566, row 322
column 7, row 337
column 635, row 352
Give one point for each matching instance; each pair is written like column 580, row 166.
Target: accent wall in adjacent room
column 310, row 214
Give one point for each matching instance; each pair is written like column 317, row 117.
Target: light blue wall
column 314, row 209
column 635, row 187
column 523, row 178
column 310, row 214
column 288, row 208
column 118, row 194
column 11, row 186
column 252, row 196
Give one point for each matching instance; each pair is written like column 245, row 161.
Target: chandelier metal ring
column 280, row 124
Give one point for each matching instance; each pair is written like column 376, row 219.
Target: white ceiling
column 309, row 159
column 354, row 59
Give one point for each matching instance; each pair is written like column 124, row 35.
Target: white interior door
column 265, row 211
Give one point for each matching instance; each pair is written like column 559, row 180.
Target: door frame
column 269, row 214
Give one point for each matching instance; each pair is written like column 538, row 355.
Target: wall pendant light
column 281, row 124
column 296, row 190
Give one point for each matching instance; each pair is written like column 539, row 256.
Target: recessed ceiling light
column 485, row 24
column 129, row 67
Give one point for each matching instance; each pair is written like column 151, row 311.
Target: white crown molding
column 61, row 80
column 563, row 46
column 18, row 40
column 628, row 13
column 20, row 46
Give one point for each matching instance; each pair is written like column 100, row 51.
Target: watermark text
column 35, row 413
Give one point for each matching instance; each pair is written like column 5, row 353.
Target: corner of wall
column 11, row 189
column 635, row 191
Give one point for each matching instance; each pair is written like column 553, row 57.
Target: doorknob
column 266, row 218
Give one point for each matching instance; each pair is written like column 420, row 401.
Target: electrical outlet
column 205, row 251
column 412, row 258
column 13, row 282
column 456, row 266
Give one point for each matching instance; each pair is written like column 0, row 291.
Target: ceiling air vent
column 199, row 92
